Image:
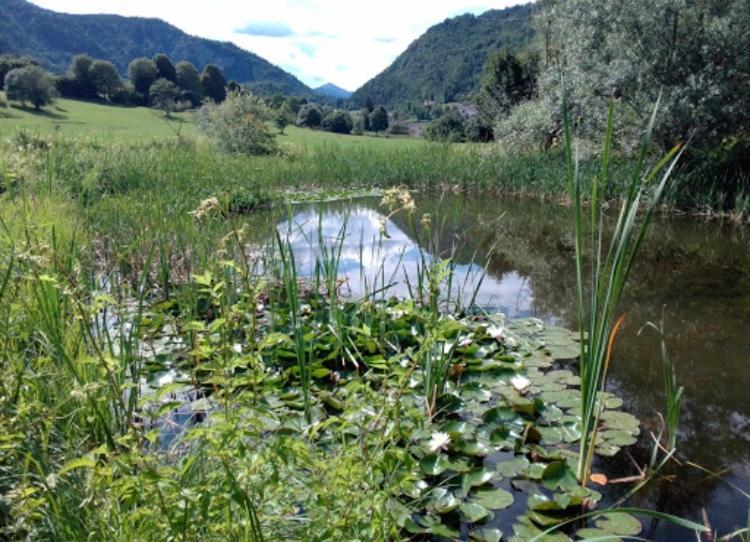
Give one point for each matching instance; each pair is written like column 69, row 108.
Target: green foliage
column 54, row 38
column 237, row 125
column 445, row 64
column 448, row 128
column 213, row 83
column 9, row 62
column 30, row 84
column 164, row 95
column 283, row 117
column 338, row 122
column 105, row 79
column 691, row 53
column 378, row 119
column 142, row 73
column 506, row 82
column 189, row 82
column 310, row 116
column 164, row 68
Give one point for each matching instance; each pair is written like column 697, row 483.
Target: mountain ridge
column 445, row 63
column 54, row 37
column 332, row 90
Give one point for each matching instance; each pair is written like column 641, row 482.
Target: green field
column 132, row 124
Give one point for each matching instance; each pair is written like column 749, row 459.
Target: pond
column 694, row 275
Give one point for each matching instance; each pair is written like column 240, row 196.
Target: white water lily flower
column 520, row 383
column 466, row 341
column 439, row 441
column 496, row 332
column 510, row 342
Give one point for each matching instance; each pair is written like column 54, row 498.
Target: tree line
column 155, row 82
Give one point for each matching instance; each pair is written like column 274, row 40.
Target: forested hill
column 445, row 64
column 53, row 38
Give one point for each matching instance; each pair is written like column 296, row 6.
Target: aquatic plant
column 600, row 287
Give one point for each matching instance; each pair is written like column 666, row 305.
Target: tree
column 506, row 82
column 448, row 128
column 79, row 82
column 214, row 84
column 379, row 119
column 164, row 95
column 310, row 116
column 239, row 124
column 142, row 73
column 369, row 104
column 8, row 63
column 105, row 78
column 233, row 86
column 339, row 122
column 293, row 103
column 275, row 101
column 693, row 55
column 189, row 82
column 30, row 84
column 164, row 68
column 282, row 118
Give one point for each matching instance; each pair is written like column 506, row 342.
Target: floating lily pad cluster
column 502, row 443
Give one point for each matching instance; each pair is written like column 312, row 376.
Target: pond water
column 696, row 275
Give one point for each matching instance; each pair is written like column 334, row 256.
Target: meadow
column 171, row 371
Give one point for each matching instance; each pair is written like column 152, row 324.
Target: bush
column 30, row 84
column 379, row 119
column 339, row 122
column 530, row 125
column 478, row 132
column 238, row 124
column 399, row 128
column 448, row 128
column 310, row 116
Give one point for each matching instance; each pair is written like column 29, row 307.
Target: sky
column 345, row 42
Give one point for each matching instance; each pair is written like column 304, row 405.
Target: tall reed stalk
column 600, row 287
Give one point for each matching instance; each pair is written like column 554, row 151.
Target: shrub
column 379, row 119
column 530, row 125
column 30, row 84
column 478, row 132
column 238, row 124
column 448, row 128
column 399, row 128
column 164, row 95
column 310, row 116
column 339, row 122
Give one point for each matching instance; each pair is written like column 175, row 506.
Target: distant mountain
column 53, row 38
column 445, row 64
column 329, row 89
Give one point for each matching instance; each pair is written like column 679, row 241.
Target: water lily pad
column 494, row 499
column 589, row 533
column 434, row 464
column 476, row 477
column 486, row 535
column 513, row 467
column 444, row 501
column 458, row 429
column 474, row 448
column 500, row 415
column 619, row 524
column 472, row 512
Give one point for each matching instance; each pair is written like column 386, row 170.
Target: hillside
column 334, row 91
column 53, row 38
column 445, row 64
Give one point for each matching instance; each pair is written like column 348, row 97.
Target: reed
column 600, row 286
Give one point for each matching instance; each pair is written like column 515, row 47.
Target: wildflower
column 426, row 221
column 520, row 383
column 439, row 441
column 205, row 208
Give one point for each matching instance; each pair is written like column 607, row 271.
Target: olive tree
column 30, row 84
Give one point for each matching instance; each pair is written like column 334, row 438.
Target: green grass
column 92, row 120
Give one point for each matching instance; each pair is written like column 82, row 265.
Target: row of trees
column 156, row 82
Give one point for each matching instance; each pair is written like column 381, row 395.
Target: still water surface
column 696, row 275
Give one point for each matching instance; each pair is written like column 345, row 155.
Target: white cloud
column 342, row 41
